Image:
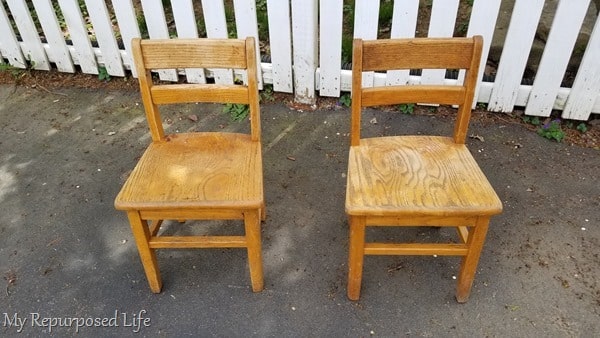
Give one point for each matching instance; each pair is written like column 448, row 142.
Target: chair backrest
column 156, row 54
column 417, row 53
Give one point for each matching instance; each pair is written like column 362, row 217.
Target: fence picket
column 517, row 46
column 584, row 97
column 366, row 18
column 280, row 40
column 154, row 13
column 31, row 45
column 82, row 51
column 247, row 25
column 216, row 27
column 185, row 23
column 555, row 59
column 404, row 24
column 484, row 15
column 57, row 48
column 111, row 57
column 330, row 47
column 441, row 24
column 9, row 48
column 304, row 37
column 128, row 26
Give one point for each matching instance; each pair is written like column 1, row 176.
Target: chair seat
column 199, row 170
column 417, row 175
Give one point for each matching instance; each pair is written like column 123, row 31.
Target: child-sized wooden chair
column 417, row 180
column 199, row 175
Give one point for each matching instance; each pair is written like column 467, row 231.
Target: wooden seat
column 417, row 180
column 202, row 175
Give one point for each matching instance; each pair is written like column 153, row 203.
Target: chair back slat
column 193, row 53
column 187, row 93
column 416, row 53
column 410, row 94
column 392, row 54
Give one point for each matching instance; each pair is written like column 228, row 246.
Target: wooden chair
column 417, row 180
column 200, row 175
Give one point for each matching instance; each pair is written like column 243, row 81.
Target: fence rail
column 304, row 54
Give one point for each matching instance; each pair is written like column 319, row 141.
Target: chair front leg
column 253, row 242
column 356, row 251
column 142, row 235
column 468, row 265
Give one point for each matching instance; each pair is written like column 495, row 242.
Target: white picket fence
column 305, row 44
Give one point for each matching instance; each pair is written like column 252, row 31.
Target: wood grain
column 193, row 53
column 417, row 175
column 386, row 54
column 200, row 170
column 390, row 95
column 188, row 93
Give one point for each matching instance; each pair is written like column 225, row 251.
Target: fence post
column 304, row 36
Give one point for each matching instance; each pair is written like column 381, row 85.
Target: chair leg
column 356, row 253
column 141, row 233
column 468, row 265
column 252, row 225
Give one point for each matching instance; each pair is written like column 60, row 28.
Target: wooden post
column 304, row 37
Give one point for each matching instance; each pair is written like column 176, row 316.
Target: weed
column 582, row 127
column 103, row 74
column 552, row 131
column 534, row 120
column 406, row 108
column 346, row 100
column 482, row 106
column 237, row 111
column 15, row 72
column 267, row 94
